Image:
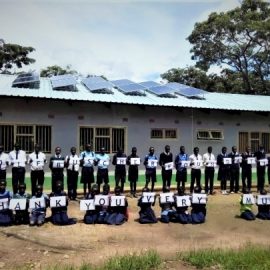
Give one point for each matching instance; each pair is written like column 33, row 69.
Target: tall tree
column 56, row 70
column 14, row 55
column 237, row 40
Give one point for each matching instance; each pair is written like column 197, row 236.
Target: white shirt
column 4, row 159
column 37, row 162
column 193, row 159
column 18, row 160
column 208, row 157
column 73, row 163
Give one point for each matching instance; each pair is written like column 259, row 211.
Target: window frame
column 210, row 136
column 164, row 136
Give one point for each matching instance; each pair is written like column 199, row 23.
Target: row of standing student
column 88, row 159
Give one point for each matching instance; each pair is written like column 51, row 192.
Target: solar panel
column 121, row 82
column 96, row 83
column 162, row 90
column 186, row 90
column 27, row 80
column 65, row 82
column 132, row 89
column 148, row 84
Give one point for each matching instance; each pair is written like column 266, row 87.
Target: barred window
column 163, row 133
column 213, row 135
column 254, row 140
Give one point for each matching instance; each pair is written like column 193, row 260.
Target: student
column 37, row 215
column 146, row 213
column 37, row 159
column 103, row 213
column 164, row 158
column 181, row 212
column 22, row 216
column 260, row 168
column 133, row 172
column 72, row 163
column 223, row 170
column 102, row 161
column 167, row 212
column 150, row 169
column 195, row 168
column 4, row 162
column 57, row 168
column 264, row 209
column 246, row 169
column 88, row 158
column 118, row 214
column 120, row 169
column 198, row 211
column 17, row 159
column 5, row 214
column 246, row 209
column 91, row 216
column 59, row 214
column 209, row 172
column 234, row 171
column 181, row 171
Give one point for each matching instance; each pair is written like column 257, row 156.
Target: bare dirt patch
column 38, row 247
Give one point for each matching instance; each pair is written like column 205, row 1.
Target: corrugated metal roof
column 211, row 100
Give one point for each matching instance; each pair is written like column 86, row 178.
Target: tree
column 56, row 70
column 237, row 40
column 14, row 55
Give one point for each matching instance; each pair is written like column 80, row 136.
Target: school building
column 70, row 111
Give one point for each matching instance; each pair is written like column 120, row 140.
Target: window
column 163, row 133
column 254, row 140
column 26, row 136
column 107, row 137
column 213, row 135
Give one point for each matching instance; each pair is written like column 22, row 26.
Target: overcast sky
column 137, row 40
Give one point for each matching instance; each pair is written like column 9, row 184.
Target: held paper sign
column 199, row 198
column 168, row 166
column 211, row 163
column 102, row 200
column 251, row 160
column 185, row 164
column 88, row 161
column 166, row 197
column 182, row 201
column 238, row 160
column 135, row 161
column 152, row 163
column 248, row 199
column 118, row 201
column 58, row 201
column 17, row 204
column 198, row 163
column 263, row 200
column 104, row 163
column 36, row 203
column 148, row 197
column 121, row 161
column 227, row 160
column 263, row 162
column 58, row 164
column 4, row 204
column 87, row 205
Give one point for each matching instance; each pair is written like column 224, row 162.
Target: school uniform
column 223, row 171
column 246, row 171
column 17, row 160
column 165, row 174
column 103, row 213
column 246, row 210
column 146, row 213
column 22, row 216
column 150, row 171
column 209, row 172
column 87, row 161
column 90, row 216
column 181, row 213
column 133, row 174
column 37, row 162
column 198, row 213
column 57, row 168
column 118, row 214
column 120, row 171
column 263, row 212
column 260, row 170
column 102, row 172
column 38, row 215
column 234, row 172
column 4, row 161
column 181, row 171
column 195, row 171
column 167, row 212
column 73, row 165
column 6, row 214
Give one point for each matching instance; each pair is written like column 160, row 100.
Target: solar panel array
column 65, row 82
column 162, row 91
column 27, row 80
column 98, row 85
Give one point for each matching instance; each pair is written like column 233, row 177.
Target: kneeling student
column 59, row 210
column 118, row 211
column 22, row 216
column 147, row 215
column 5, row 212
column 263, row 209
column 181, row 214
column 246, row 206
column 198, row 211
column 167, row 212
column 91, row 216
column 103, row 210
column 38, row 214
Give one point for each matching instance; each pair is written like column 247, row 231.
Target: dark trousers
column 195, row 176
column 3, row 175
column 72, row 183
column 166, row 178
column 209, row 178
column 234, row 182
column 150, row 175
column 18, row 176
column 181, row 178
column 37, row 178
column 260, row 177
column 57, row 176
column 120, row 178
column 246, row 178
